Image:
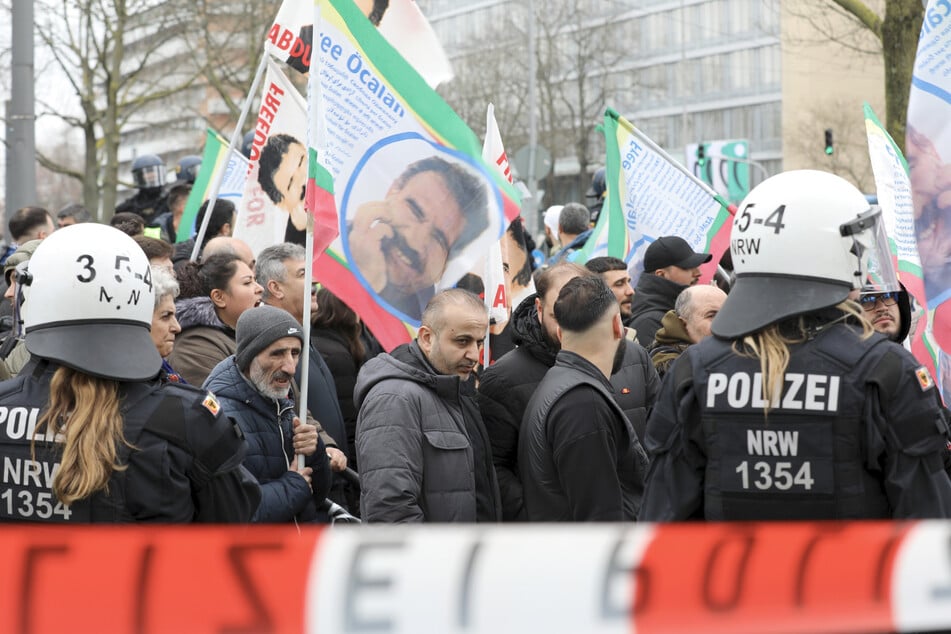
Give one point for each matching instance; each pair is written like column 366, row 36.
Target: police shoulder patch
column 925, row 381
column 211, row 404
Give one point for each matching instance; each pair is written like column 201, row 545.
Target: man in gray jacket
column 423, row 451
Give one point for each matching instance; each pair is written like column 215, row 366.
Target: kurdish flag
column 649, row 195
column 213, row 160
column 398, row 183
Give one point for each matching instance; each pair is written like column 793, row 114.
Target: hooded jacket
column 653, row 297
column 566, row 252
column 203, row 342
column 417, row 463
column 669, row 342
column 267, row 425
column 506, row 387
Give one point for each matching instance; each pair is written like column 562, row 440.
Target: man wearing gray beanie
column 253, row 387
column 258, row 329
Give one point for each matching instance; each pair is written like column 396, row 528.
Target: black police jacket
column 184, row 464
column 854, row 433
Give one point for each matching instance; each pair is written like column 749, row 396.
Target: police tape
column 737, row 578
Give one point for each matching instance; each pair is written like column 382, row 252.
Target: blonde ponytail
column 771, row 346
column 84, row 415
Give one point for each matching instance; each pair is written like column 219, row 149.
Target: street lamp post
column 530, row 207
column 20, row 134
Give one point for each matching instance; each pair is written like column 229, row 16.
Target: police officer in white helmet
column 796, row 408
column 88, row 430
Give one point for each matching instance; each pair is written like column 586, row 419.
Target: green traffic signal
column 829, row 147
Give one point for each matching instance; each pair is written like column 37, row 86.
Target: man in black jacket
column 506, row 387
column 578, row 456
column 670, row 266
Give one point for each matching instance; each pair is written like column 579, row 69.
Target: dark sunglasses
column 887, row 299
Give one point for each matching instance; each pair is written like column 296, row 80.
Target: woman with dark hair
column 336, row 334
column 213, row 296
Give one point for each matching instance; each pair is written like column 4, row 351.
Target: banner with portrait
column 649, row 195
column 273, row 207
column 400, row 175
column 928, row 152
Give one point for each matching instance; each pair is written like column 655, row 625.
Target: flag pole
column 235, row 135
column 487, row 343
column 305, row 352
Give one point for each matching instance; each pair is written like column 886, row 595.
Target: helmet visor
column 149, row 177
column 870, row 245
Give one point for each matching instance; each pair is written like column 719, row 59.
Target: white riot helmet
column 88, row 303
column 801, row 241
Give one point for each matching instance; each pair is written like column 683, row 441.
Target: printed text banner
column 291, row 36
column 649, row 196
column 272, row 209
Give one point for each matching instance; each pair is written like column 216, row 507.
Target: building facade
column 696, row 71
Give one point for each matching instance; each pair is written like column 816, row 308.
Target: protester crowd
column 141, row 385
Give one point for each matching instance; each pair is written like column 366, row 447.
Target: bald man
column 231, row 246
column 688, row 323
column 421, row 445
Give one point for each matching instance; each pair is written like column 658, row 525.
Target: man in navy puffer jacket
column 253, row 388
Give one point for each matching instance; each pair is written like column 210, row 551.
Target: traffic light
column 829, row 147
column 701, row 155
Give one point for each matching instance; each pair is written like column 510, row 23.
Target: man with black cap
column 254, row 388
column 670, row 266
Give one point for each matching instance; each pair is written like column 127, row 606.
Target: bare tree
column 495, row 75
column 116, row 58
column 575, row 50
column 887, row 28
column 850, row 156
column 577, row 53
column 55, row 190
column 227, row 41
